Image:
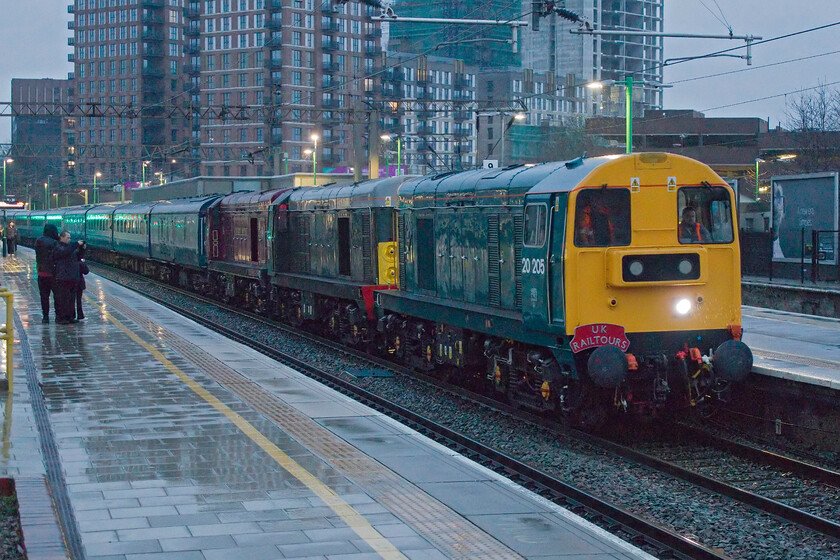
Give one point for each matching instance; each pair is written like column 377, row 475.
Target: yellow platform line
column 350, row 516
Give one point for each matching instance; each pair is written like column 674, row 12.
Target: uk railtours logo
column 599, row 334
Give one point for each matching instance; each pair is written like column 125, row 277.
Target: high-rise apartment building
column 128, row 57
column 42, row 146
column 553, row 48
column 176, row 88
column 303, row 65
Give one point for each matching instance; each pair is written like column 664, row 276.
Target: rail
column 7, row 333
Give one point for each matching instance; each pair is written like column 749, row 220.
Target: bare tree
column 817, row 110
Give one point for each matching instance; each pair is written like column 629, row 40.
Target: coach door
column 557, row 241
column 535, row 262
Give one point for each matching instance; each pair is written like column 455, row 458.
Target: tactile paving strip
column 453, row 535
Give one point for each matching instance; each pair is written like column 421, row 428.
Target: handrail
column 7, row 333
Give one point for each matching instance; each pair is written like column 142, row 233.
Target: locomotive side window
column 535, row 224
column 602, row 218
column 705, row 215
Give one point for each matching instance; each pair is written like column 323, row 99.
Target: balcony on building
column 330, row 104
column 331, row 26
column 328, row 44
column 192, row 31
column 151, row 35
column 71, row 9
column 193, row 11
column 373, row 33
column 425, row 129
column 71, row 57
column 274, row 22
column 330, row 67
column 373, row 51
column 192, row 68
column 273, row 63
column 152, row 51
column 426, row 95
column 71, row 41
column 153, row 3
column 275, row 40
column 275, row 4
column 152, row 18
column 152, row 72
column 193, row 49
column 71, row 25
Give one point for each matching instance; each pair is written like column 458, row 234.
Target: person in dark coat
column 44, row 247
column 67, row 276
column 11, row 238
column 83, row 269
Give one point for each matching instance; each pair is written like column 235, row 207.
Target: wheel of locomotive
column 582, row 405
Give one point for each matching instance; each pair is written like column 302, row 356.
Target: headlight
column 683, row 306
column 636, row 268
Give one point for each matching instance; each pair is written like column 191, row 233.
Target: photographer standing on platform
column 67, row 277
column 44, row 263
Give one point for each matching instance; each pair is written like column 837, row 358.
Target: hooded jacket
column 44, row 247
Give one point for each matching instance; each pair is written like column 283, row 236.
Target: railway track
column 689, row 460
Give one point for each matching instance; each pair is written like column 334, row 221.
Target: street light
column 5, row 161
column 143, row 182
column 388, row 138
column 314, row 138
column 628, row 107
column 95, row 189
column 159, row 175
column 516, row 116
column 628, row 84
column 505, row 126
column 47, row 194
column 310, row 152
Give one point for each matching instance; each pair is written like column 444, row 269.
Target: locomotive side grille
column 493, row 257
column 301, row 256
column 367, row 268
column 401, row 251
column 518, row 240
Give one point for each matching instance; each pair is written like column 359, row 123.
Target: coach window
column 536, row 216
column 602, row 218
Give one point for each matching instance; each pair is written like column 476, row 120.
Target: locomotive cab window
column 704, row 215
column 536, row 217
column 602, row 218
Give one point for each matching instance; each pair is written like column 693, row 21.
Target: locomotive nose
column 733, row 360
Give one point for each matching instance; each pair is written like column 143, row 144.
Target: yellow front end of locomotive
column 650, row 280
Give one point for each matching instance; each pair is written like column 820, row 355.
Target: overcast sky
column 33, row 43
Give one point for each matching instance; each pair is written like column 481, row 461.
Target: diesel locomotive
column 575, row 288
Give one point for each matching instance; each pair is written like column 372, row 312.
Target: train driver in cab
column 594, row 225
column 692, row 231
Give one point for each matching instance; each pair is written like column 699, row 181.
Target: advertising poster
column 804, row 201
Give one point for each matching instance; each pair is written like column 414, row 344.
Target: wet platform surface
column 800, row 348
column 174, row 443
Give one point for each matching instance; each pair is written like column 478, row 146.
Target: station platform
column 138, row 434
column 792, row 346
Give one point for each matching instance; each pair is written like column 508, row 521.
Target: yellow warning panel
column 388, row 264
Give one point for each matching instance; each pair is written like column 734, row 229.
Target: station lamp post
column 85, row 194
column 95, row 189
column 628, row 107
column 5, row 161
column 310, row 152
column 143, row 181
column 388, row 138
column 315, row 139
